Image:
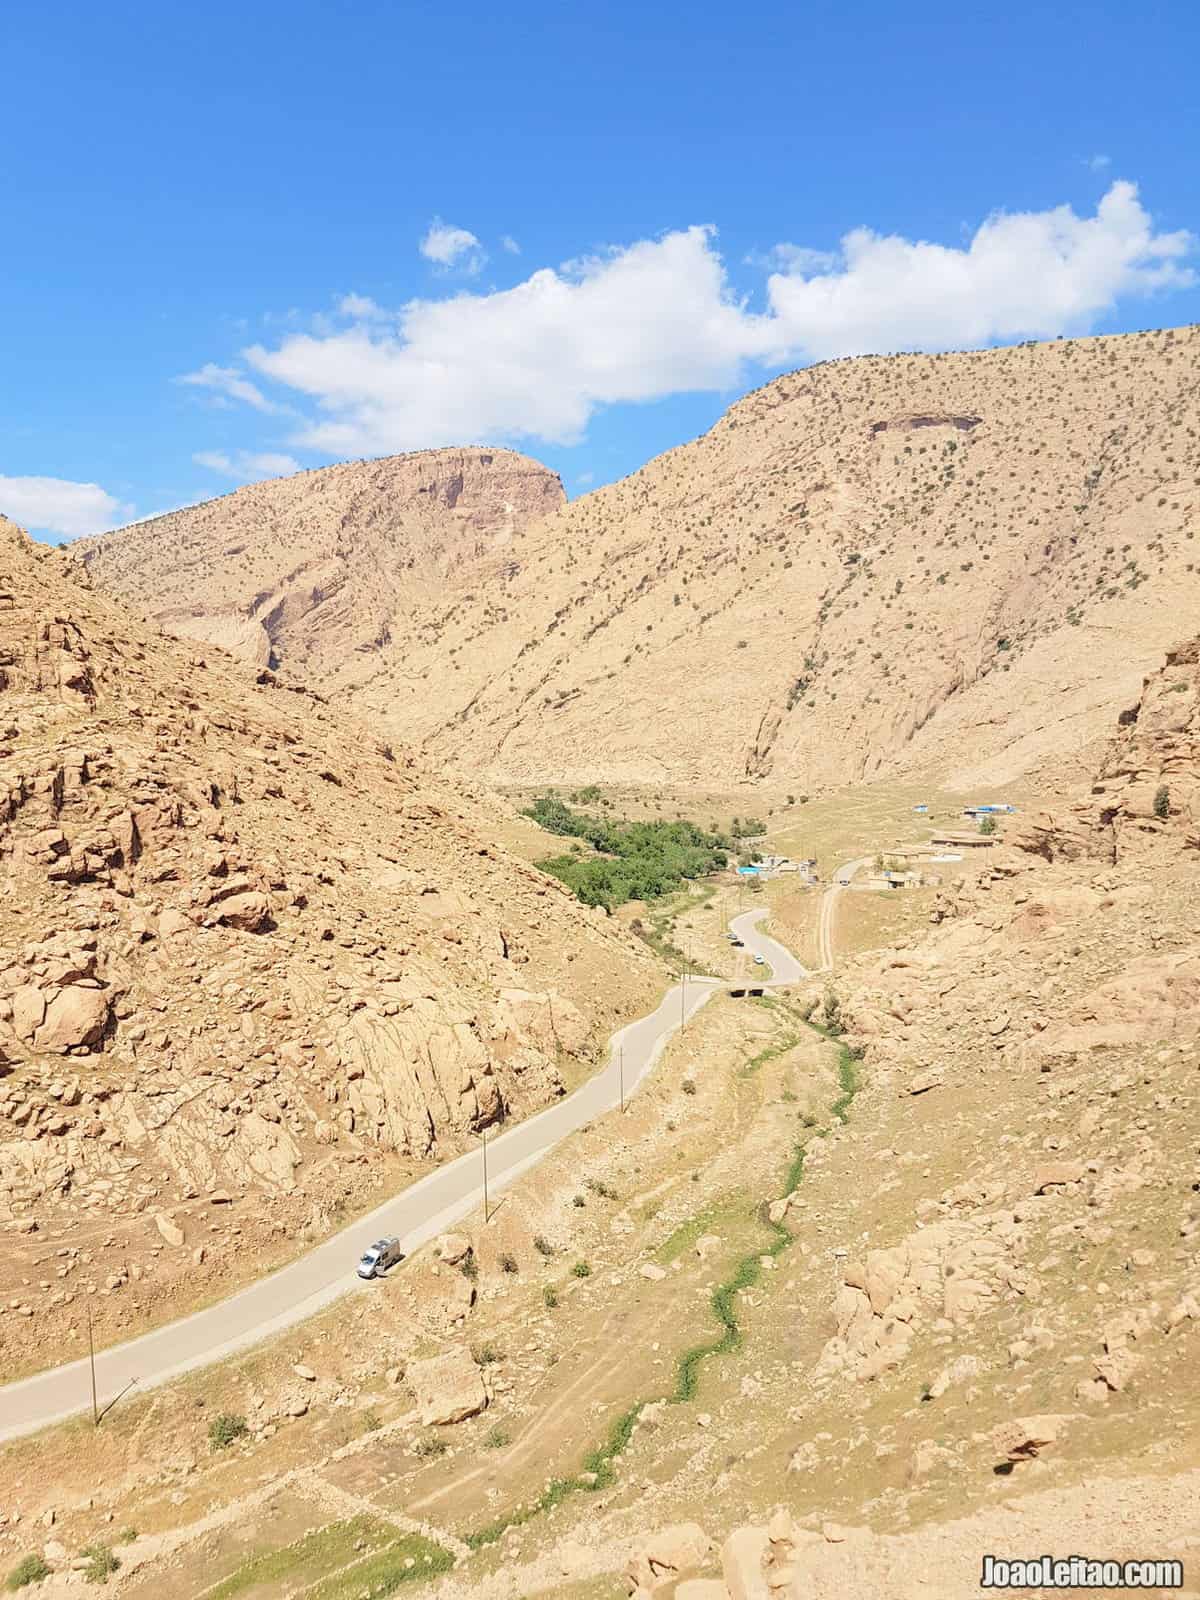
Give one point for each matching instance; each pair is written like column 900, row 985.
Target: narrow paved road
column 842, row 879
column 422, row 1211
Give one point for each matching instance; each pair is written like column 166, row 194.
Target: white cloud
column 507, row 242
column 793, row 258
column 1099, row 163
column 660, row 317
column 1023, row 275
column 247, row 464
column 448, row 246
column 227, row 383
column 362, row 307
column 535, row 360
column 56, row 505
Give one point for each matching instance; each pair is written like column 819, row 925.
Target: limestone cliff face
column 308, row 572
column 1145, row 796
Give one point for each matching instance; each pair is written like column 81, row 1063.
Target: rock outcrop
column 448, row 1388
column 249, row 952
column 315, row 572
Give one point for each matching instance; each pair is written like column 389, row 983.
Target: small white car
column 384, row 1253
column 759, row 961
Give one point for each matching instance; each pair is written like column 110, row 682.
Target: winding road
column 417, row 1215
column 842, row 879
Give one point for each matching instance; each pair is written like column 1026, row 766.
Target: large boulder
column 1022, row 1438
column 449, row 1388
column 658, row 1562
column 743, row 1563
column 76, row 1015
column 250, row 912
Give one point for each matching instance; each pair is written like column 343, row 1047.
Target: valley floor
column 662, row 1321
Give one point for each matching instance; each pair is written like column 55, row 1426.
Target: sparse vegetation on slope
column 864, row 567
column 598, row 1471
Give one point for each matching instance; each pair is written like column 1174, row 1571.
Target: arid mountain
column 314, row 569
column 1001, row 1358
column 815, row 1317
column 254, row 964
column 962, row 563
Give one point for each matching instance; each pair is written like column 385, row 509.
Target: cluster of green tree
column 747, row 827
column 633, row 860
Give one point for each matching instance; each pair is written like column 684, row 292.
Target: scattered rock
column 171, row 1231
column 1025, row 1437
column 448, row 1388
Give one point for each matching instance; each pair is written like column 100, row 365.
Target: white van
column 384, row 1253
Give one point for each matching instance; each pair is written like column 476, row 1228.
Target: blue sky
column 241, row 237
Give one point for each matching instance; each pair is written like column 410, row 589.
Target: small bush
column 497, row 1438
column 486, row 1355
column 688, row 1086
column 469, row 1267
column 987, row 825
column 509, row 1264
column 550, row 1297
column 542, row 1245
column 223, row 1430
column 1162, row 802
column 581, row 1270
column 429, row 1445
column 578, row 1200
column 602, row 1189
column 127, row 1535
column 101, row 1563
column 30, row 1569
column 833, row 1012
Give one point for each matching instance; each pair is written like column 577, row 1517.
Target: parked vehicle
column 382, row 1255
column 759, row 961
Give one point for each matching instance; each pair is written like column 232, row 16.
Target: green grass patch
column 686, row 1234
column 598, row 1470
column 788, row 1042
column 325, row 1550
column 411, row 1559
column 848, row 1078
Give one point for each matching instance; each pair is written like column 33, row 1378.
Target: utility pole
column 92, row 1365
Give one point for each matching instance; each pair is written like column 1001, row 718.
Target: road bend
column 425, row 1209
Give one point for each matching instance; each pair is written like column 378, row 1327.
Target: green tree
column 1162, row 802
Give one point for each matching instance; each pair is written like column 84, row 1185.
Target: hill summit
column 309, row 571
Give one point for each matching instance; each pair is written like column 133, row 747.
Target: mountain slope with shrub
column 255, row 963
column 961, row 562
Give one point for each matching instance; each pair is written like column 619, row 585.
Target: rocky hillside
column 253, row 964
column 995, row 1335
column 961, row 562
column 313, row 570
